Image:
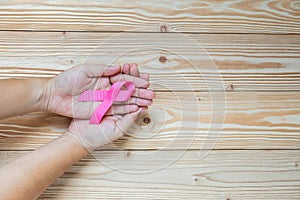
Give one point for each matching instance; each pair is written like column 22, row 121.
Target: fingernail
column 152, row 94
column 133, row 108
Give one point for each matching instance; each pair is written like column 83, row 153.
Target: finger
column 93, row 70
column 121, row 109
column 143, row 111
column 126, row 69
column 140, row 83
column 145, row 76
column 135, row 101
column 134, row 70
column 143, row 93
column 112, row 70
column 96, row 70
column 126, row 122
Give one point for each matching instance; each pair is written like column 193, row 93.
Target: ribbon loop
column 108, row 97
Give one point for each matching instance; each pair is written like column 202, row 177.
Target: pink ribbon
column 108, row 97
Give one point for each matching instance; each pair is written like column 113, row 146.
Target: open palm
column 66, row 87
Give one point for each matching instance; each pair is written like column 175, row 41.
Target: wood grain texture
column 222, row 175
column 242, row 62
column 256, row 48
column 204, row 16
column 182, row 120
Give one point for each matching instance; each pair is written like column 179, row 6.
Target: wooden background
column 256, row 47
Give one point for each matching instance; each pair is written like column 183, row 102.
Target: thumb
column 112, row 70
column 126, row 122
column 93, row 70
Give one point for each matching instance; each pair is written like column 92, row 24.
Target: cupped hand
column 62, row 91
column 111, row 128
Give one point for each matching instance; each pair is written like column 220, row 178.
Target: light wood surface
column 251, row 80
column 244, row 62
column 203, row 16
column 231, row 174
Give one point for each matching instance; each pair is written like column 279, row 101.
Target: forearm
column 21, row 96
column 27, row 177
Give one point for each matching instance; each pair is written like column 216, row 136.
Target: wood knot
column 163, row 28
column 64, row 32
column 71, row 61
column 230, row 87
column 144, row 120
column 162, row 59
column 128, row 153
column 147, row 120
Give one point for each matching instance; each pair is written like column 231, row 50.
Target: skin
column 28, row 176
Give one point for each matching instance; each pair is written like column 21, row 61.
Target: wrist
column 43, row 94
column 75, row 141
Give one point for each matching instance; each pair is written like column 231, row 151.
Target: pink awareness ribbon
column 108, row 97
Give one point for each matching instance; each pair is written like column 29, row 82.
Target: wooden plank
column 204, row 16
column 244, row 62
column 254, row 174
column 182, row 120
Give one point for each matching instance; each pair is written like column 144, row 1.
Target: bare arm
column 20, row 96
column 27, row 177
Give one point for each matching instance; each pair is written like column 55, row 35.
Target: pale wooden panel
column 217, row 16
column 254, row 174
column 253, row 120
column 244, row 62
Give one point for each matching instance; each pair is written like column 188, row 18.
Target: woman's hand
column 61, row 92
column 111, row 128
